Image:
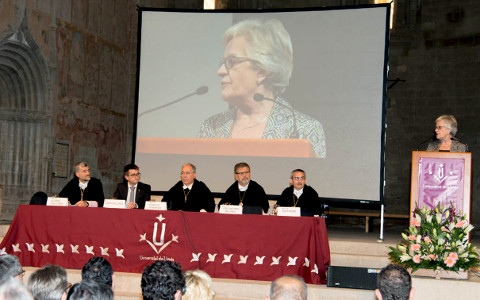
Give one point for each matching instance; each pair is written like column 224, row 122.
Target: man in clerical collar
column 83, row 187
column 134, row 192
column 245, row 191
column 190, row 194
column 299, row 194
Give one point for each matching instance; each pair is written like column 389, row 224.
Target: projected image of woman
column 254, row 72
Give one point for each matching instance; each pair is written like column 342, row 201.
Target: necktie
column 131, row 198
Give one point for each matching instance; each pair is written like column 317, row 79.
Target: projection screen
column 337, row 84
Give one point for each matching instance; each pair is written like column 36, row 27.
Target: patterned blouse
column 456, row 146
column 280, row 125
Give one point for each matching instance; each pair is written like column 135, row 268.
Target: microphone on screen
column 260, row 97
column 200, row 91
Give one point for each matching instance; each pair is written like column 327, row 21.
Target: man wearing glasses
column 10, row 268
column 298, row 194
column 189, row 194
column 245, row 192
column 131, row 189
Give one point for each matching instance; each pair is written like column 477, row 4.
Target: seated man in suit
column 244, row 191
column 189, row 194
column 131, row 189
column 298, row 194
column 83, row 188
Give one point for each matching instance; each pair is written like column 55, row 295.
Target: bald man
column 288, row 287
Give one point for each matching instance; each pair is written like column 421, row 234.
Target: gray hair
column 298, row 170
column 194, row 169
column 450, row 122
column 48, row 283
column 13, row 289
column 77, row 166
column 269, row 44
column 9, row 267
column 288, row 287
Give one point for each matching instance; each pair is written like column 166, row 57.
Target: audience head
column 10, row 268
column 242, row 173
column 99, row 270
column 13, row 289
column 48, row 283
column 162, row 280
column 198, row 286
column 288, row 287
column 90, row 290
column 394, row 283
column 39, row 198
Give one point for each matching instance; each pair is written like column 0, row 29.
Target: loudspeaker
column 354, row 278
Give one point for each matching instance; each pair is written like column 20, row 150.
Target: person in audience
column 48, row 283
column 90, row 290
column 198, row 285
column 163, row 280
column 39, row 198
column 83, row 188
column 288, row 287
column 131, row 189
column 13, row 289
column 189, row 194
column 99, row 270
column 254, row 73
column 445, row 131
column 298, row 194
column 244, row 191
column 394, row 283
column 10, row 268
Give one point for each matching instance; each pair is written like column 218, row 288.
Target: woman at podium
column 445, row 130
column 255, row 70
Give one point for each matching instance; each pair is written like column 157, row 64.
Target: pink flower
column 427, row 240
column 444, row 229
column 412, row 238
column 453, row 255
column 450, row 261
column 415, row 247
column 415, row 222
column 416, row 259
column 460, row 224
column 432, row 256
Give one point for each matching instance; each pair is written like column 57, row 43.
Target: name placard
column 288, row 211
column 154, row 205
column 114, row 203
column 231, row 209
column 54, row 201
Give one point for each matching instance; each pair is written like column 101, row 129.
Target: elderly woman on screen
column 255, row 70
column 445, row 130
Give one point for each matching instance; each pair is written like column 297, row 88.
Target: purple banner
column 440, row 181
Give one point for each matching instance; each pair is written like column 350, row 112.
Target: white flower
column 439, row 218
column 405, row 257
column 429, row 218
column 469, row 228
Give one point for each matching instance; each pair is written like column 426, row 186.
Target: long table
column 225, row 246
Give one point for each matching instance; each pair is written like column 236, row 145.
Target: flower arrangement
column 436, row 239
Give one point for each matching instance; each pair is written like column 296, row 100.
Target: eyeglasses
column 299, row 178
column 184, row 290
column 186, row 173
column 22, row 272
column 242, row 173
column 136, row 175
column 440, row 127
column 232, row 61
column 68, row 287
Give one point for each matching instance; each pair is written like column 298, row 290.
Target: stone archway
column 25, row 121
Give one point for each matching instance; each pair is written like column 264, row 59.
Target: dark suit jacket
column 94, row 191
column 142, row 193
column 198, row 198
column 254, row 196
column 308, row 200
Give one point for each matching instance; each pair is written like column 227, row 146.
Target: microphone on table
column 200, row 91
column 260, row 97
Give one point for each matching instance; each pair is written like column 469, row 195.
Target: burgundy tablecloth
column 225, row 246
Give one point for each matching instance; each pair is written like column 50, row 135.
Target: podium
column 441, row 178
column 301, row 148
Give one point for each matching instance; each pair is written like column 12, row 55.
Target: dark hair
column 49, row 282
column 129, row 167
column 240, row 165
column 288, row 287
column 161, row 280
column 394, row 283
column 90, row 290
column 39, row 198
column 98, row 269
